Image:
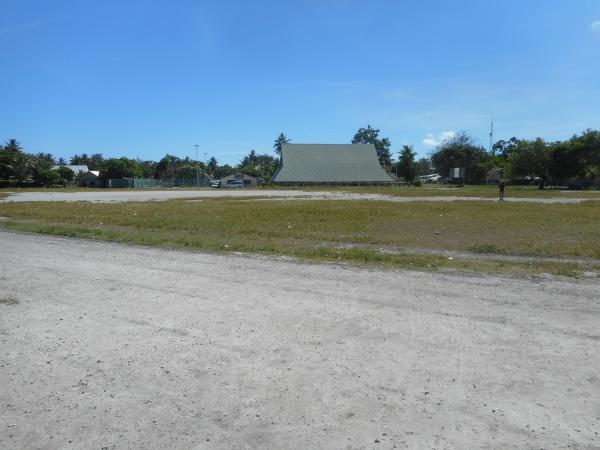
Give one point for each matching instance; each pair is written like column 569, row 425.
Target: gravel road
column 105, row 345
column 112, row 196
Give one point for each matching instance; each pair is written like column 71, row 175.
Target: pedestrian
column 501, row 187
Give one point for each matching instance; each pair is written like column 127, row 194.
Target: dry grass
column 11, row 301
column 464, row 191
column 401, row 191
column 337, row 230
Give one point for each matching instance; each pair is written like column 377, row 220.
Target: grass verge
column 458, row 191
column 357, row 232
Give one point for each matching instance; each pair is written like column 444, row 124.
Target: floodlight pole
column 197, row 168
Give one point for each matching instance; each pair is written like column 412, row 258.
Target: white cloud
column 432, row 140
column 595, row 26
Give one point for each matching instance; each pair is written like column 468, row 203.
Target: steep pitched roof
column 330, row 163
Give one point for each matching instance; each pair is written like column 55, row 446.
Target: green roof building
column 330, row 164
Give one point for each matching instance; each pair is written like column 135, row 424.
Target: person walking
column 501, row 188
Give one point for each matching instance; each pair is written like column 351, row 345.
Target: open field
column 112, row 346
column 144, row 195
column 410, row 235
column 513, row 192
column 461, row 191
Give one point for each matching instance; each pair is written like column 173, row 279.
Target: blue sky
column 145, row 78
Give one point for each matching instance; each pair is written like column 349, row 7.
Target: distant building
column 78, row 169
column 330, row 164
column 89, row 179
column 235, row 178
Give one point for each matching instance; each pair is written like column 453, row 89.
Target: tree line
column 17, row 167
column 518, row 160
column 523, row 160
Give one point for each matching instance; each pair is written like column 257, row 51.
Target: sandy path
column 109, row 196
column 114, row 346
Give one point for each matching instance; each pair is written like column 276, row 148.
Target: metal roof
column 330, row 163
column 77, row 169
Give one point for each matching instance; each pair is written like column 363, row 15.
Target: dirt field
column 110, row 346
column 109, row 196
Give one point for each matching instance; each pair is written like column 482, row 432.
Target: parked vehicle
column 235, row 184
column 579, row 185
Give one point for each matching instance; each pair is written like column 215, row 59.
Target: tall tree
column 114, row 168
column 12, row 145
column 82, row 159
column 504, row 149
column 95, row 161
column 223, row 171
column 262, row 166
column 407, row 167
column 15, row 164
column 212, row 165
column 370, row 135
column 586, row 148
column 424, row 166
column 281, row 139
column 461, row 151
column 148, row 168
column 65, row 175
column 531, row 158
column 41, row 170
column 249, row 159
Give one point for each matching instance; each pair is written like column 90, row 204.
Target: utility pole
column 197, row 168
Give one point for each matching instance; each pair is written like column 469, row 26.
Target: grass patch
column 337, row 231
column 458, row 191
column 8, row 300
column 485, row 248
column 399, row 191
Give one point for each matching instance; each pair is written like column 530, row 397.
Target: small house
column 235, row 178
column 89, row 179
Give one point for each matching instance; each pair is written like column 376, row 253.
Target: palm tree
column 281, row 139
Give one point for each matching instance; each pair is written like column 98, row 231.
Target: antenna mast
column 492, row 138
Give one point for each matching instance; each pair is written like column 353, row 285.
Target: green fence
column 149, row 183
column 119, row 183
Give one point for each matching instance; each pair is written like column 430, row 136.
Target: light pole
column 197, row 168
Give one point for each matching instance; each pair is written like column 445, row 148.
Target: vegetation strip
column 301, row 228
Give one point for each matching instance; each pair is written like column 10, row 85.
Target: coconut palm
column 281, row 139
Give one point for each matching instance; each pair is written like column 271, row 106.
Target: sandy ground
column 114, row 346
column 110, row 196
